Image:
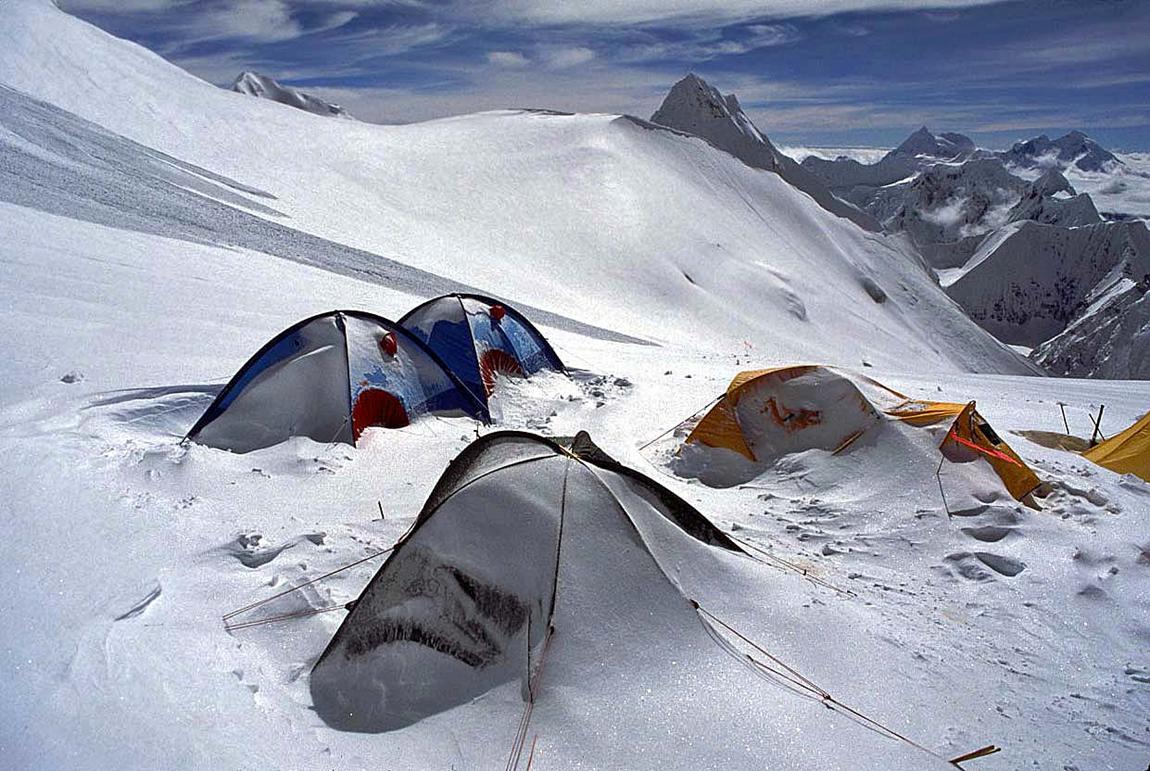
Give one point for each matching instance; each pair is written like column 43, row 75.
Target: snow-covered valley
column 157, row 230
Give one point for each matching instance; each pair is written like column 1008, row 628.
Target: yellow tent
column 767, row 413
column 1127, row 452
column 771, row 412
column 969, row 438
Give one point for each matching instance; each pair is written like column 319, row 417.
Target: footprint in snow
column 974, row 566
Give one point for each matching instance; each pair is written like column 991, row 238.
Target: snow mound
column 264, row 87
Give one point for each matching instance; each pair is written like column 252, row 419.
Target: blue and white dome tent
column 479, row 338
column 328, row 378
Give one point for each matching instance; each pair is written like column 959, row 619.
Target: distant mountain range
column 1029, row 258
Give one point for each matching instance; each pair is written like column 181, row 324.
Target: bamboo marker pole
column 1097, row 426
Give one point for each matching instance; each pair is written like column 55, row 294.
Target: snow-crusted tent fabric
column 768, row 413
column 1127, row 452
column 328, row 378
column 479, row 338
column 521, row 536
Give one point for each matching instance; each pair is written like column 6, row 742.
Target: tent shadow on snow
column 521, row 536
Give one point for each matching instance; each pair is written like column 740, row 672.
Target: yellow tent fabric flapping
column 1127, row 452
column 925, row 413
column 971, row 437
column 770, row 412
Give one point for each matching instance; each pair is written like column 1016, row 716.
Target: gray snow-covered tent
column 521, row 536
column 328, row 378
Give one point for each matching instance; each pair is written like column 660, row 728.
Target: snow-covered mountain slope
column 570, row 212
column 263, row 87
column 858, row 182
column 1120, row 191
column 1052, row 200
column 1022, row 284
column 696, row 107
column 1028, row 281
column 1110, row 338
column 165, row 229
column 1073, row 149
column 948, row 202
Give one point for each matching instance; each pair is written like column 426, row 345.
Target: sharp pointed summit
column 945, row 146
column 696, row 107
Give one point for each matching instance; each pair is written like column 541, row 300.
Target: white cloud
column 568, row 57
column 256, row 20
column 708, row 44
column 507, row 59
column 390, row 40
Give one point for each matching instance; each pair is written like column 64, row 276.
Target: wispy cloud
column 689, row 11
column 830, row 68
column 507, row 59
column 707, row 44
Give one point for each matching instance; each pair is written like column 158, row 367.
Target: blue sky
column 816, row 72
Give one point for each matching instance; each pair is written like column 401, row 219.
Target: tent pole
column 1062, row 407
column 938, row 476
column 681, row 422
